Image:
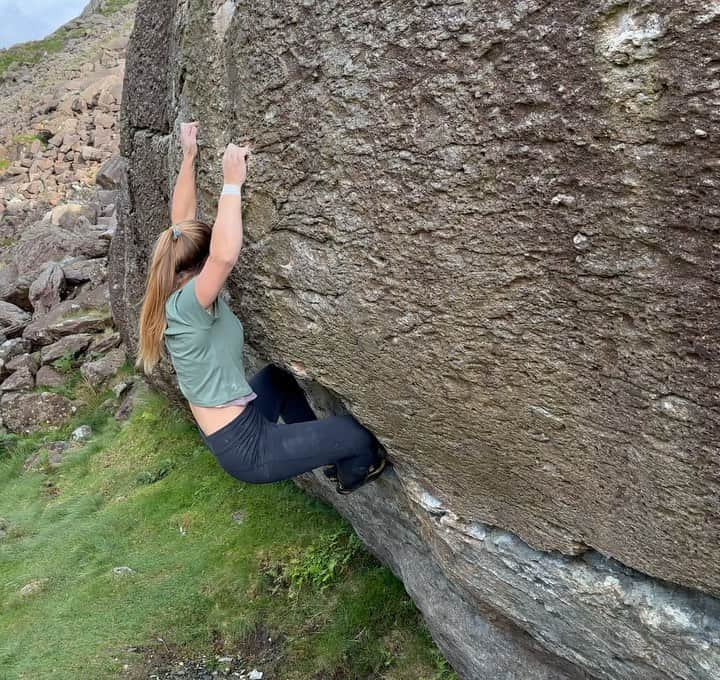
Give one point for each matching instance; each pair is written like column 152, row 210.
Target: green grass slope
column 217, row 565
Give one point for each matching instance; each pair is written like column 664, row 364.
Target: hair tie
column 175, row 233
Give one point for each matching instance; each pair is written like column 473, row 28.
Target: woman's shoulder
column 183, row 307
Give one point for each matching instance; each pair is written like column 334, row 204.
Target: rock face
column 489, row 230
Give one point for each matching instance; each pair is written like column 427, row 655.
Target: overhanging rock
column 490, row 230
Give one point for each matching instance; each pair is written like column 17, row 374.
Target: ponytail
column 182, row 247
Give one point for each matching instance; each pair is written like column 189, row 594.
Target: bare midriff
column 211, row 418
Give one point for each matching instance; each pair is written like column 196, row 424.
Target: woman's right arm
column 227, row 236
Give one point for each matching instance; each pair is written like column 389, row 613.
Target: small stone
column 120, row 388
column 255, row 675
column 108, row 405
column 581, row 241
column 123, row 571
column 700, row 133
column 81, row 433
column 33, row 587
column 54, row 459
column 90, row 153
column 563, row 199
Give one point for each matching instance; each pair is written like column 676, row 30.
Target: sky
column 22, row 20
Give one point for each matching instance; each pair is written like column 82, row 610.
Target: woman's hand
column 234, row 164
column 188, row 138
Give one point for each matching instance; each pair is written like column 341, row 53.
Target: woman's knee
column 358, row 436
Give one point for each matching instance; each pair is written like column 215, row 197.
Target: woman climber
column 236, row 418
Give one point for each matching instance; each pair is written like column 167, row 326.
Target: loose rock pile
column 58, row 120
column 54, row 306
column 58, row 186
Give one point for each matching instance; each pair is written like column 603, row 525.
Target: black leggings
column 255, row 448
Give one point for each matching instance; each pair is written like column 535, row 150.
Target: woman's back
column 206, row 350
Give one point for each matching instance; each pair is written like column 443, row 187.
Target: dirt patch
column 257, row 651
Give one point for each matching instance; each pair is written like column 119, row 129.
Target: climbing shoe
column 373, row 472
column 330, row 471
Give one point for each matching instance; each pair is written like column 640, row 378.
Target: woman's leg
column 288, row 450
column 280, row 395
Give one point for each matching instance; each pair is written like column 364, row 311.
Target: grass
column 25, row 138
column 112, row 6
column 145, row 493
column 33, row 51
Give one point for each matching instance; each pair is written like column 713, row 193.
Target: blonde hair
column 173, row 258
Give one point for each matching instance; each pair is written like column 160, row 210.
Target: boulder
column 106, row 197
column 488, row 242
column 135, row 395
column 42, row 243
column 81, row 269
column 96, row 372
column 47, row 376
column 15, row 287
column 102, row 342
column 11, row 290
column 22, row 379
column 13, row 348
column 110, row 84
column 25, row 360
column 26, row 412
column 47, row 289
column 12, row 319
column 89, row 311
column 70, row 345
column 110, row 173
column 68, row 214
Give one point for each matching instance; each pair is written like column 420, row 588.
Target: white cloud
column 22, row 20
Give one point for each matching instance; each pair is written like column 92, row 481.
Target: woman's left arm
column 184, row 203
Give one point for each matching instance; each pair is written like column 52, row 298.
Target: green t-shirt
column 206, row 348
